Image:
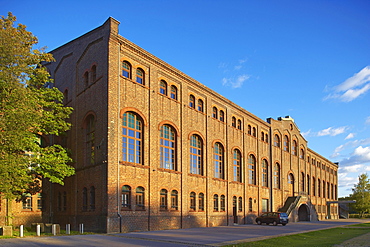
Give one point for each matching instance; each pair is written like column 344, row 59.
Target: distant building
column 155, row 149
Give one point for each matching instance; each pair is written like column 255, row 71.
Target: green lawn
column 322, row 238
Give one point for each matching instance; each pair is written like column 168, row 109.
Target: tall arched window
column 215, row 112
column 233, row 122
column 173, row 92
column 126, row 69
column 301, row 154
column 277, row 141
column 254, row 132
column 168, row 148
column 252, row 169
column 249, row 129
column 132, row 138
column 222, row 203
column 90, row 140
column 222, row 116
column 126, row 197
column 218, row 159
column 302, row 181
column 192, row 101
column 250, row 204
column 277, row 176
column 264, row 173
column 323, row 188
column 92, row 198
column 140, row 76
column 308, row 185
column 86, row 78
column 163, row 87
column 286, row 143
column 267, row 138
column 237, row 165
column 295, row 148
column 200, row 105
column 163, row 199
column 140, row 198
column 313, row 186
column 318, row 187
column 215, row 202
column 196, row 155
column 291, row 184
column 239, row 124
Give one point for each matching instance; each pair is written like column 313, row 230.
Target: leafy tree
column 361, row 193
column 29, row 110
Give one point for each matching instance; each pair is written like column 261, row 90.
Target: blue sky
column 308, row 59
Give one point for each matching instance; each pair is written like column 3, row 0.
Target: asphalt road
column 210, row 236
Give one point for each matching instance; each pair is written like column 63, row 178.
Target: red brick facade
column 192, row 157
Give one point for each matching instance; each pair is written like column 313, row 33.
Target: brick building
column 155, row 149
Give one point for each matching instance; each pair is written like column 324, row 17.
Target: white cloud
column 235, row 82
column 353, row 168
column 332, row 131
column 346, row 181
column 360, row 156
column 367, row 121
column 353, row 87
column 350, row 136
column 305, row 134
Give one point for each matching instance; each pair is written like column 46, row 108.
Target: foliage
column 361, row 194
column 29, row 109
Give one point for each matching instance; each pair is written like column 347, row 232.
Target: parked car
column 272, row 218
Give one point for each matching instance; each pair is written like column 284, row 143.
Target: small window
column 140, row 198
column 239, row 124
column 27, row 202
column 174, row 200
column 249, row 130
column 126, row 197
column 163, row 199
column 163, row 87
column 222, row 116
column 173, row 92
column 215, row 202
column 233, row 122
column 222, row 203
column 200, row 105
column 201, row 202
column 250, row 204
column 262, row 136
column 192, row 101
column 240, row 204
column 192, row 201
column 254, row 132
column 215, row 113
column 126, row 69
column 140, row 76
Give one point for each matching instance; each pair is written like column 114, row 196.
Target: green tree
column 361, row 193
column 29, row 108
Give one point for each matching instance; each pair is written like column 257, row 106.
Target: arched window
column 308, row 185
column 222, row 116
column 250, row 204
column 168, row 148
column 323, row 188
column 163, row 87
column 267, row 138
column 291, row 184
column 140, row 76
column 201, row 202
column 86, row 78
column 174, row 200
column 163, row 199
column 93, row 73
column 126, row 197
column 237, row 166
column 313, row 186
column 192, row 201
column 192, row 101
column 262, row 136
column 240, row 204
column 295, row 148
column 218, row 159
column 215, row 202
column 318, row 187
column 173, row 92
column 277, row 176
column 196, row 155
column 249, row 130
column 286, row 143
column 328, row 190
column 277, row 141
column 239, row 124
column 254, row 132
column 140, row 198
column 252, row 169
column 90, row 140
column 200, row 105
column 222, row 203
column 132, row 139
column 126, row 69
column 92, row 198
column 264, row 173
column 215, row 112
column 233, row 122
column 84, row 200
column 301, row 154
column 302, row 181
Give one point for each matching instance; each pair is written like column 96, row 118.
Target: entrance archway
column 303, row 213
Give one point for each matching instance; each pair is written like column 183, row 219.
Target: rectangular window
column 27, row 203
column 265, row 205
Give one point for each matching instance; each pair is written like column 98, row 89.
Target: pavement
column 202, row 237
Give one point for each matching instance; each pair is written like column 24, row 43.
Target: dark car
column 272, row 218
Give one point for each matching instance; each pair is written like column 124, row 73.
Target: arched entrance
column 291, row 184
column 303, row 213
